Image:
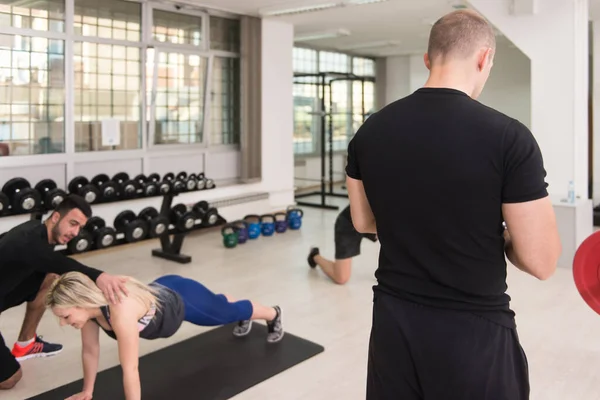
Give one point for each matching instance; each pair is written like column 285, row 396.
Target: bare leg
column 339, row 270
column 35, row 311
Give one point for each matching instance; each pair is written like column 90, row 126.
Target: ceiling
column 392, row 27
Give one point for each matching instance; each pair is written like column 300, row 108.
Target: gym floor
column 560, row 334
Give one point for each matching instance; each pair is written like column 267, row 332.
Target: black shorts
column 418, row 352
column 26, row 291
column 347, row 239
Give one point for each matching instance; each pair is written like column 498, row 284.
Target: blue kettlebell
column 253, row 222
column 267, row 223
column 281, row 224
column 242, row 229
column 294, row 217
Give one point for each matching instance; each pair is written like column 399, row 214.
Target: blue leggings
column 203, row 307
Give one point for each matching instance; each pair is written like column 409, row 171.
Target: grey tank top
column 159, row 322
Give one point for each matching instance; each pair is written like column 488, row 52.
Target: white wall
column 508, row 89
column 397, row 79
column 310, row 168
column 277, row 110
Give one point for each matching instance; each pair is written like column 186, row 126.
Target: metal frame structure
column 325, row 80
column 69, row 158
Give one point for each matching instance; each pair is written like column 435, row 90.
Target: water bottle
column 571, row 192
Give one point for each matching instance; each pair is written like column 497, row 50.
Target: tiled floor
column 559, row 333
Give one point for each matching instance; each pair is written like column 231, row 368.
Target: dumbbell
column 128, row 187
column 82, row 187
column 51, row 195
column 181, row 218
column 190, row 181
column 108, row 188
column 164, row 187
column 204, row 182
column 177, row 185
column 208, row 215
column 134, row 228
column 157, row 224
column 4, row 204
column 149, row 187
column 95, row 233
column 21, row 196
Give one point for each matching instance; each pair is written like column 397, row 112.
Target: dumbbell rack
column 171, row 249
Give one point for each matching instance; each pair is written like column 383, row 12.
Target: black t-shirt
column 24, row 250
column 437, row 167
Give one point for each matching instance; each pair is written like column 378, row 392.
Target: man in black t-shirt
column 435, row 175
column 347, row 246
column 28, row 267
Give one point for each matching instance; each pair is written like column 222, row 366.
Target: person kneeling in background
column 347, row 246
column 150, row 311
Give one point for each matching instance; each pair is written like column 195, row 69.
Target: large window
column 348, row 98
column 107, row 71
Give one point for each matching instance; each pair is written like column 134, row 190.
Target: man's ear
column 427, row 61
column 485, row 58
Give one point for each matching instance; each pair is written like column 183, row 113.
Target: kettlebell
column 280, row 222
column 242, row 229
column 230, row 236
column 267, row 224
column 253, row 222
column 294, row 217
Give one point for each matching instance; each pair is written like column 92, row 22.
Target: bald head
column 458, row 35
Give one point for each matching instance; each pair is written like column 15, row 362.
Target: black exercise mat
column 214, row 365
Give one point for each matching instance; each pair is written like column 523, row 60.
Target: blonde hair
column 75, row 289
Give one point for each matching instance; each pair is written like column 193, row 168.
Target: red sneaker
column 38, row 348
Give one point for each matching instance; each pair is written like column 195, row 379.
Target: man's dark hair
column 458, row 34
column 73, row 201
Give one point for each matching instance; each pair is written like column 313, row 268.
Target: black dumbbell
column 204, row 182
column 158, row 224
column 164, row 187
column 21, row 196
column 95, row 233
column 134, row 228
column 51, row 195
column 149, row 187
column 177, row 185
column 181, row 218
column 103, row 236
column 4, row 204
column 128, row 188
column 190, row 181
column 207, row 214
column 82, row 187
column 108, row 189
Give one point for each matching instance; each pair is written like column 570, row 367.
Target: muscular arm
column 532, row 242
column 90, row 355
column 124, row 323
column 360, row 209
column 362, row 215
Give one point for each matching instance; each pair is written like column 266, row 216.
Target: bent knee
column 12, row 381
column 341, row 280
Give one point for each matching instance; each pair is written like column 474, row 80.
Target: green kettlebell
column 230, row 236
